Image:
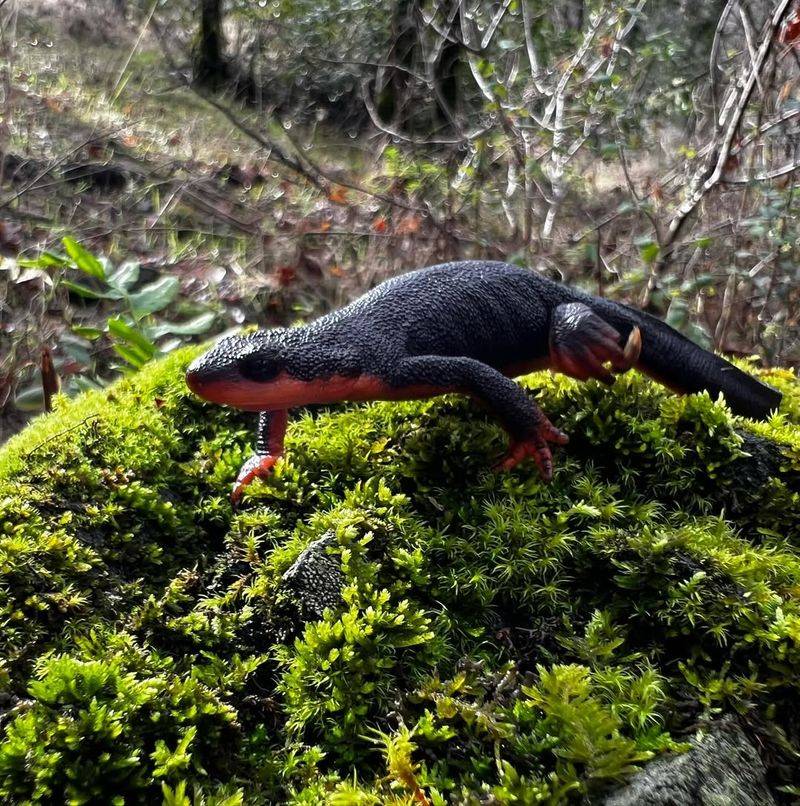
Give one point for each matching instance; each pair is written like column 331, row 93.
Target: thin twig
column 711, row 172
column 133, row 50
column 58, row 434
column 55, row 164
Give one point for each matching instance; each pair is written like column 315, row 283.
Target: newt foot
column 584, row 346
column 258, row 466
column 536, row 446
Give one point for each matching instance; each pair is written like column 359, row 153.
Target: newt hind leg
column 531, row 433
column 582, row 343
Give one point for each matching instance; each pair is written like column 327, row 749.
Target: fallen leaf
column 313, row 264
column 50, row 380
column 786, row 89
column 380, row 224
column 34, row 275
column 791, row 29
column 338, row 196
column 731, row 163
column 10, row 238
column 286, row 275
column 409, row 225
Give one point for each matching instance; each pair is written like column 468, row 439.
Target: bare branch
column 487, row 37
column 533, row 59
column 394, row 132
column 713, row 66
column 787, row 169
column 710, row 174
column 765, row 127
column 34, row 183
column 751, row 48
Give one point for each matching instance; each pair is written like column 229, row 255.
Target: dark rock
column 763, row 460
column 722, row 769
column 751, row 475
column 315, row 580
column 14, row 168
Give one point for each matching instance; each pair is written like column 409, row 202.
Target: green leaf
column 85, row 291
column 176, row 797
column 31, row 398
column 155, row 296
column 87, row 384
column 90, row 333
column 47, row 260
column 84, row 259
column 200, row 324
column 132, row 355
column 649, row 251
column 117, row 327
column 125, row 275
column 76, row 348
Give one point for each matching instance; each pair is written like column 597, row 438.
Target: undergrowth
column 386, row 620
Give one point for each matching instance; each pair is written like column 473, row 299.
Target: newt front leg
column 269, row 448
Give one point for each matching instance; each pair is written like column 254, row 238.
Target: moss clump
column 387, row 621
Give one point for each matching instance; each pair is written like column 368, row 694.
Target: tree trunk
column 210, row 66
column 398, row 93
column 394, row 82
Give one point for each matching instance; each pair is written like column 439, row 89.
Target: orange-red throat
column 285, row 391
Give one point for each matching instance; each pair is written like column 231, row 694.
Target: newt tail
column 682, row 366
column 467, row 327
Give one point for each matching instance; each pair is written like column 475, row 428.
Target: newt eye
column 259, row 367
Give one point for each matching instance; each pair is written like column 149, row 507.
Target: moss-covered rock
column 387, row 620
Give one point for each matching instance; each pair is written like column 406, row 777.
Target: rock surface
column 315, row 580
column 722, row 769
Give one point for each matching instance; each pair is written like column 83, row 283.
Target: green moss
column 388, row 618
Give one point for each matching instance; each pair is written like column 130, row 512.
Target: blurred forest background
column 172, row 169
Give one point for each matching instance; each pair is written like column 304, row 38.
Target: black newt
column 467, row 327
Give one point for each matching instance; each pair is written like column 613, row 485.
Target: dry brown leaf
column 338, row 196
column 409, row 225
column 50, row 380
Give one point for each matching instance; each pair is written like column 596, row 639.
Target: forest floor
column 253, row 218
column 100, row 141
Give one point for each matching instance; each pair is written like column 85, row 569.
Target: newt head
column 270, row 370
column 246, row 372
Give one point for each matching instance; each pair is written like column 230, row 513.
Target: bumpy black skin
column 463, row 325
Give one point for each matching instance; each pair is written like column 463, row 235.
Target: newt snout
column 210, row 381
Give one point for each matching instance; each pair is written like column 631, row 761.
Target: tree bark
column 210, row 65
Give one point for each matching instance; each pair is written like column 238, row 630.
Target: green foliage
column 483, row 635
column 344, row 671
column 132, row 312
column 96, row 731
